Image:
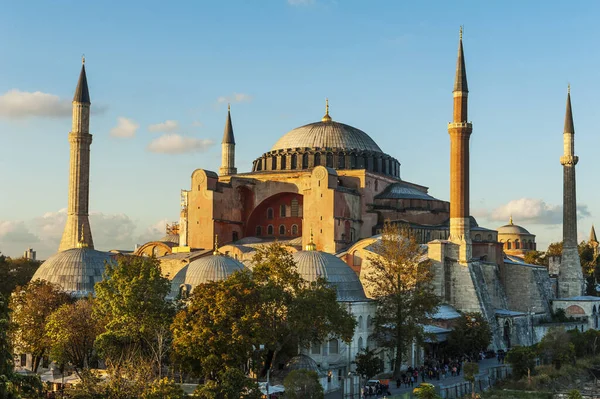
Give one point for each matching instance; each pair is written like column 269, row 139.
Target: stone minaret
column 594, row 241
column 228, row 148
column 570, row 276
column 460, row 132
column 77, row 229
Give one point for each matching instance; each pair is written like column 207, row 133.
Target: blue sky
column 386, row 66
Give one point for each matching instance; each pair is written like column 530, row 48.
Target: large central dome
column 330, row 144
column 327, row 134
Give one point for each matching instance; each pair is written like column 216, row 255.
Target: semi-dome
column 216, row 267
column 172, row 238
column 327, row 134
column 314, row 264
column 75, row 270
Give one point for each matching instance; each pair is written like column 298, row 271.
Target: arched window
column 184, row 291
column 365, row 162
column 507, row 333
column 508, row 244
column 329, row 161
column 477, row 237
column 490, row 237
column 369, row 321
column 294, row 163
column 352, row 234
column 333, row 347
column 315, row 348
column 384, row 166
column 258, row 231
column 282, row 210
column 360, row 343
column 259, row 165
column 273, row 163
column 281, row 230
column 305, row 161
column 269, row 213
column 517, row 244
column 341, row 161
column 283, row 166
column 270, row 230
column 376, row 164
column 234, row 236
column 353, row 160
column 294, row 229
column 360, row 322
column 317, row 159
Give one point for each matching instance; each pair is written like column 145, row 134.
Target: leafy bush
column 522, row 360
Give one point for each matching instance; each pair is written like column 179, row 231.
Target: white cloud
column 168, row 126
column 16, row 232
column 125, row 128
column 530, row 210
column 177, row 144
column 235, row 98
column 300, row 2
column 16, row 104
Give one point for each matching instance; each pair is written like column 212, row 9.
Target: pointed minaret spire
column 570, row 276
column 228, row 148
column 77, row 232
column 593, row 235
column 460, row 132
column 326, row 117
column 82, row 94
column 460, row 80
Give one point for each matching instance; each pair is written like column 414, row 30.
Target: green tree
column 31, row 306
column 130, row 303
column 401, row 277
column 522, row 360
column 556, row 347
column 470, row 335
column 72, row 331
column 471, row 369
column 15, row 272
column 426, row 391
column 7, row 386
column 367, row 363
column 163, row 388
column 536, row 258
column 574, row 394
column 230, row 383
column 303, row 384
column 223, row 322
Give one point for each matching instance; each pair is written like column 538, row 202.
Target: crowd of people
column 430, row 371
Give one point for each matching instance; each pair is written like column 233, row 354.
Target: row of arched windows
column 271, row 230
column 294, row 210
column 375, row 162
column 333, row 347
column 517, row 244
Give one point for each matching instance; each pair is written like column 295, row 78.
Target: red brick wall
column 259, row 217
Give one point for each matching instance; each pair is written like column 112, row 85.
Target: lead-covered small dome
column 314, row 264
column 216, row 267
column 75, row 270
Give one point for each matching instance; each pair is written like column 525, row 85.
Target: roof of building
column 75, row 270
column 82, row 93
column 508, row 313
column 512, row 228
column 403, row 190
column 172, row 238
column 327, row 134
column 314, row 264
column 580, row 298
column 302, row 362
column 445, row 312
column 228, row 133
column 203, row 270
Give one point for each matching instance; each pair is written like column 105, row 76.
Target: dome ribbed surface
column 204, row 270
column 75, row 270
column 327, row 135
column 512, row 229
column 314, row 264
column 173, row 238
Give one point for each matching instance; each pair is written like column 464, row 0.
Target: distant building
column 29, row 254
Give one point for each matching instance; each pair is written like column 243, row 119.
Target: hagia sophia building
column 325, row 190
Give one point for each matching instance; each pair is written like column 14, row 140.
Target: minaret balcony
column 455, row 125
column 569, row 160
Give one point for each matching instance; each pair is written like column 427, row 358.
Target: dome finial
column 81, row 243
column 311, row 246
column 228, row 107
column 510, row 221
column 460, row 32
column 326, row 118
column 216, row 251
column 82, row 59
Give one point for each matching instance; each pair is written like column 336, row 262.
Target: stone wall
column 527, row 287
